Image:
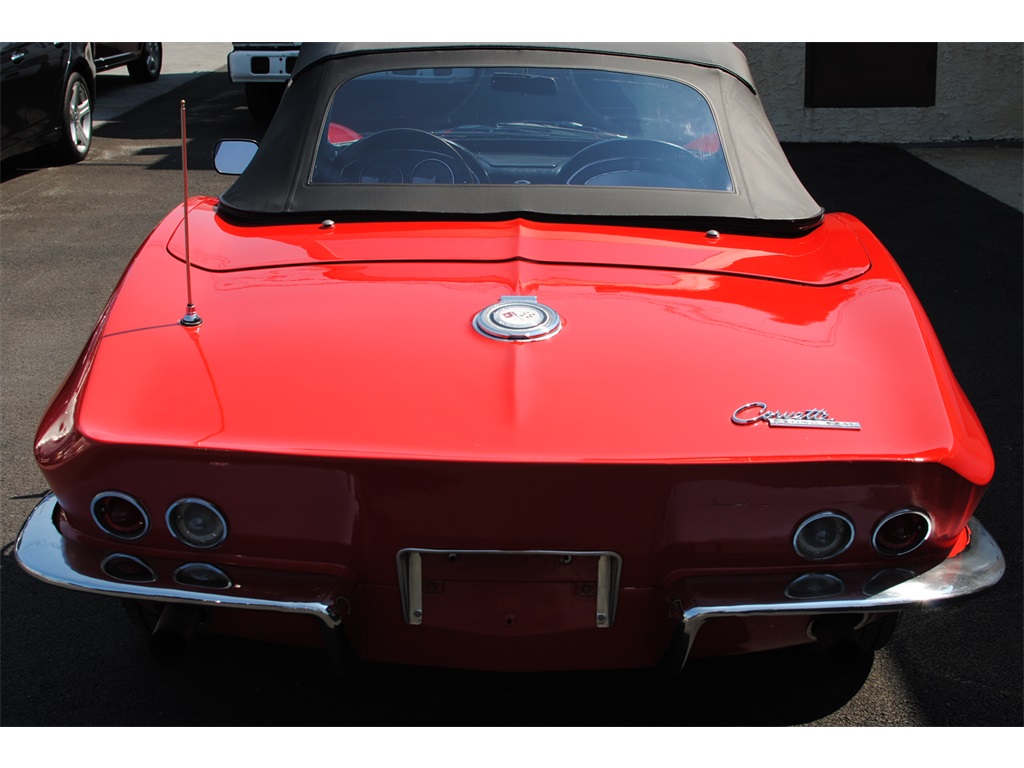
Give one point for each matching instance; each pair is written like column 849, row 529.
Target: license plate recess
column 530, row 591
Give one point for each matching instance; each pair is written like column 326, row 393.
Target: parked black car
column 47, row 100
column 142, row 59
column 49, row 92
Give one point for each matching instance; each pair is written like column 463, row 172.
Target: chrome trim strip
column 604, row 591
column 979, row 566
column 814, row 423
column 410, row 577
column 39, row 550
column 415, row 565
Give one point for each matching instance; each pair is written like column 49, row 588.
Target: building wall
column 979, row 96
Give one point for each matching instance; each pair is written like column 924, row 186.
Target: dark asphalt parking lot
column 69, row 658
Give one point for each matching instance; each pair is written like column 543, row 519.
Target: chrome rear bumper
column 42, row 552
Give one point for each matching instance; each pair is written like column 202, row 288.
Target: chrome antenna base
column 191, row 318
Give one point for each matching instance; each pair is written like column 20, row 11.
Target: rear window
column 502, row 125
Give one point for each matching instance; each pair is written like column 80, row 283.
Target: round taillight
column 202, row 575
column 197, row 523
column 127, row 568
column 823, row 536
column 815, row 586
column 119, row 515
column 901, row 532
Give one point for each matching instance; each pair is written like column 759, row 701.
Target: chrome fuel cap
column 518, row 318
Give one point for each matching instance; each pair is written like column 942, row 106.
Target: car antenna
column 191, row 317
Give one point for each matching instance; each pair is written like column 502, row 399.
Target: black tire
column 76, row 121
column 146, row 68
column 262, row 99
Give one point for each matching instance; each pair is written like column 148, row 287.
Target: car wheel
column 76, row 113
column 146, row 68
column 262, row 99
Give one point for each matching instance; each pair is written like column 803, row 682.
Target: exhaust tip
column 172, row 636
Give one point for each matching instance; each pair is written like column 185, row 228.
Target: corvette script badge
column 814, row 418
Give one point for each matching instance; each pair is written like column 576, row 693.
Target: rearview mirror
column 535, row 85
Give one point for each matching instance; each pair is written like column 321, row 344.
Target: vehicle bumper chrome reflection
column 979, row 566
column 42, row 552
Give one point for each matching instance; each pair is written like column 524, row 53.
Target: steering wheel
column 634, row 163
column 409, row 156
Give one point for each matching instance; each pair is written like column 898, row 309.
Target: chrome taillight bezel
column 827, row 514
column 106, row 567
column 815, row 586
column 914, row 511
column 99, row 497
column 182, row 536
column 180, row 576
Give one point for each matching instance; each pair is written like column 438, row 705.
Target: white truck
column 264, row 69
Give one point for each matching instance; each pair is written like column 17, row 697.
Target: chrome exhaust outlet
column 173, row 634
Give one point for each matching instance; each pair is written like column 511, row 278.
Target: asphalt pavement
column 117, row 94
column 68, row 658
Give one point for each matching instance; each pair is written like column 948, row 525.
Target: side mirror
column 232, row 156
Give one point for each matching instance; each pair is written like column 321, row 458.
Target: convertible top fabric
column 767, row 197
column 722, row 56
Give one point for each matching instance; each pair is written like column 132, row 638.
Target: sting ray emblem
column 518, row 318
column 814, row 418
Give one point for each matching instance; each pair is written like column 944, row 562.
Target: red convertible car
column 514, row 357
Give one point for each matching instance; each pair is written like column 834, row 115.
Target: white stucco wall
column 979, row 97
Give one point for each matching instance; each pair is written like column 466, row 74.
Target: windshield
column 476, row 125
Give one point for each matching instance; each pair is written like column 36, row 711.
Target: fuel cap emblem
column 518, row 318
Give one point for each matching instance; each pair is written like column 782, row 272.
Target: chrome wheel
column 146, row 68
column 153, row 58
column 76, row 132
column 80, row 117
